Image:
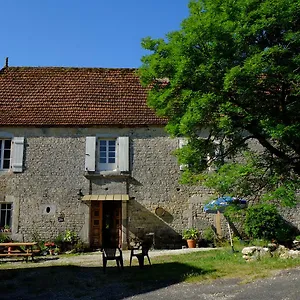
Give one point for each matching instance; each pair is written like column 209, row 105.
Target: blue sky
column 84, row 33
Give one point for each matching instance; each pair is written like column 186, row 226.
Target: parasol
column 219, row 205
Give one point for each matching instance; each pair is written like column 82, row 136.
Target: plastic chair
column 112, row 254
column 140, row 253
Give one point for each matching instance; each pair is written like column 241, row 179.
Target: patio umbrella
column 219, row 205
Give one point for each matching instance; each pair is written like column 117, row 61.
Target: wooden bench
column 18, row 249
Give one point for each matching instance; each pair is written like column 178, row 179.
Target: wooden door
column 106, row 224
column 118, row 222
column 111, row 233
column 96, row 224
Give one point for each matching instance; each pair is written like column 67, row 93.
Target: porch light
column 79, row 194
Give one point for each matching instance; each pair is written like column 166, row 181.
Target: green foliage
column 190, row 234
column 4, row 238
column 67, row 241
column 41, row 245
column 209, row 235
column 259, row 242
column 261, row 221
column 264, row 222
column 228, row 78
column 59, row 240
column 234, row 213
column 70, row 236
column 80, row 247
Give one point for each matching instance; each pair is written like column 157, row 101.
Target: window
column 11, row 152
column 214, row 159
column 5, row 215
column 5, row 151
column 106, row 155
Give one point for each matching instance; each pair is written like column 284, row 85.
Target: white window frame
column 9, row 223
column 92, row 154
column 183, row 141
column 106, row 166
column 2, row 149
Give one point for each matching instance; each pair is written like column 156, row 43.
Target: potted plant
column 50, row 247
column 70, row 238
column 7, row 228
column 191, row 235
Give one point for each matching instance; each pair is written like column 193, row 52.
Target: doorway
column 106, row 224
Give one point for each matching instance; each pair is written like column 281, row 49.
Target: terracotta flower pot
column 191, row 243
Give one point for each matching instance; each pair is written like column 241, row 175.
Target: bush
column 264, row 222
column 209, row 235
column 59, row 241
column 66, row 241
column 70, row 237
column 261, row 221
column 4, row 238
column 80, row 247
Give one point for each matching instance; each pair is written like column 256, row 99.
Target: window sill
column 106, row 174
column 4, row 172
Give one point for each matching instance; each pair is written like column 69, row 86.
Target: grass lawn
column 40, row 281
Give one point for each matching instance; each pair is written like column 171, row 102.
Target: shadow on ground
column 74, row 282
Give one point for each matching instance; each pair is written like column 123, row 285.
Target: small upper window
column 107, row 155
column 5, row 154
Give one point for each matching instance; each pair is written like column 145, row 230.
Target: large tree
column 233, row 71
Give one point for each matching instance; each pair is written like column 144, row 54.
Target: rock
column 249, row 250
column 272, row 246
column 255, row 253
column 280, row 250
column 290, row 254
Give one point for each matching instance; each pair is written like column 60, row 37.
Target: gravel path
column 95, row 257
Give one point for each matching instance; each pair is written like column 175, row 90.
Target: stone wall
column 54, row 172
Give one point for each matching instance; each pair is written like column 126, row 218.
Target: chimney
column 6, row 62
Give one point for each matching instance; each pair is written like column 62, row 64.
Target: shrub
column 59, row 240
column 80, row 247
column 70, row 237
column 4, row 238
column 261, row 221
column 264, row 222
column 209, row 235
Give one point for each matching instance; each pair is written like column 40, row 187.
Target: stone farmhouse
column 80, row 150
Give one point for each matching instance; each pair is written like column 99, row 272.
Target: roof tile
column 56, row 96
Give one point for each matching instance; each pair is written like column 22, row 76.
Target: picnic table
column 18, row 249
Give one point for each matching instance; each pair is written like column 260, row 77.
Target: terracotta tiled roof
column 54, row 96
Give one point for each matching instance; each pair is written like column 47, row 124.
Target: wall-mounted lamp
column 80, row 194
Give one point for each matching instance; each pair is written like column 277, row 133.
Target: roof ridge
column 69, row 67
